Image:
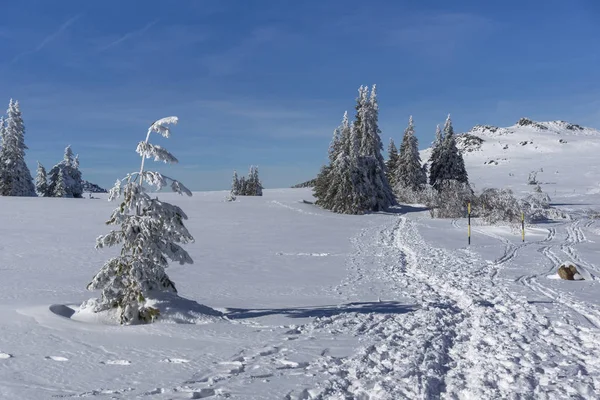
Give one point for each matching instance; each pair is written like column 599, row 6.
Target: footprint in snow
column 203, row 393
column 5, row 356
column 116, row 362
column 56, row 358
column 175, row 360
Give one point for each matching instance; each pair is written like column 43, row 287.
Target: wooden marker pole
column 469, row 221
column 523, row 226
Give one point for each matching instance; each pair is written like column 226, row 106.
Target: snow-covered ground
column 318, row 305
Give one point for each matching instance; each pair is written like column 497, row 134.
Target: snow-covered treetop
column 68, row 158
column 438, row 136
column 448, row 129
column 162, row 126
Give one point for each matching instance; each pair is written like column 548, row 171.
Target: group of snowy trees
column 251, row 186
column 15, row 178
column 64, row 179
column 355, row 180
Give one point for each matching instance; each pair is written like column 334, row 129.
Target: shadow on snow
column 383, row 307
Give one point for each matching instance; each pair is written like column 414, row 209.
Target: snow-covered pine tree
column 410, row 177
column 392, row 163
column 434, row 158
column 376, row 190
column 41, row 181
column 77, row 182
column 257, row 191
column 235, row 184
column 452, row 164
column 150, row 233
column 60, row 189
column 341, row 195
column 322, row 185
column 322, row 182
column 68, row 167
column 15, row 178
column 243, row 186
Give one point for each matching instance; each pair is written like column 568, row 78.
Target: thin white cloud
column 128, row 36
column 48, row 39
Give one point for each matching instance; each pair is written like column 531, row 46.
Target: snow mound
column 173, row 310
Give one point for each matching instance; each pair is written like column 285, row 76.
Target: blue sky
column 266, row 82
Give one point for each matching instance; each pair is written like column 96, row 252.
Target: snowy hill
column 564, row 154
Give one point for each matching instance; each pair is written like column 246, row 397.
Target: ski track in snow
column 476, row 339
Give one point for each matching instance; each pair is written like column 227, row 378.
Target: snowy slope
column 318, row 305
column 504, row 157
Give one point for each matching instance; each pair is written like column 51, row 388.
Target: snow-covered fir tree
column 434, row 158
column 410, row 176
column 257, row 184
column 321, row 185
column 451, row 162
column 149, row 232
column 322, row 182
column 60, row 188
column 392, row 163
column 15, row 177
column 243, row 186
column 235, row 184
column 68, row 168
column 41, row 181
column 342, row 195
column 373, row 186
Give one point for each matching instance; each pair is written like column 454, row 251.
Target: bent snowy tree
column 150, row 233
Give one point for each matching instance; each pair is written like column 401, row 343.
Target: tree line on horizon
column 64, row 179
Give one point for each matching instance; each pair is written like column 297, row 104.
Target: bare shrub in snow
column 409, row 195
column 532, row 179
column 497, row 205
column 149, row 232
column 536, row 207
column 450, row 199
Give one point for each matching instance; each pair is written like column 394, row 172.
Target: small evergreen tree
column 257, row 184
column 342, row 195
column 77, row 181
column 150, row 233
column 322, row 185
column 60, row 189
column 41, row 181
column 452, row 164
column 322, row 182
column 243, row 186
column 434, row 158
column 392, row 163
column 235, row 184
column 15, row 178
column 409, row 172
